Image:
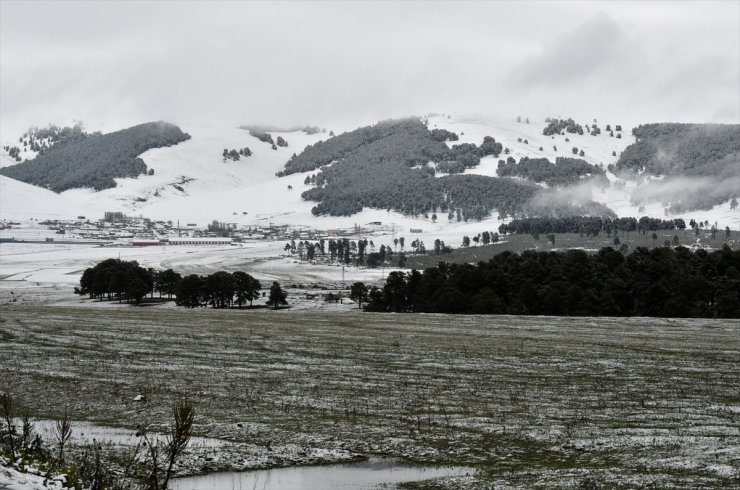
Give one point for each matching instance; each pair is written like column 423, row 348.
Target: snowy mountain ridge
column 194, row 183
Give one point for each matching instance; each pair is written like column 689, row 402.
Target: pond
column 371, row 473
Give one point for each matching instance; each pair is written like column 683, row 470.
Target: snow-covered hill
column 193, row 183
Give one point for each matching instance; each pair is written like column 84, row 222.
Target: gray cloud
column 576, row 55
column 116, row 63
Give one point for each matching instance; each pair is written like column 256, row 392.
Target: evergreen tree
column 358, row 293
column 277, row 296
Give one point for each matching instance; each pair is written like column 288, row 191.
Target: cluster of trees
column 467, row 155
column 97, row 159
column 262, row 135
column 262, row 128
column 692, row 148
column 485, row 238
column 407, row 141
column 235, row 154
column 559, row 126
column 659, row 282
column 338, row 147
column 42, row 140
column 564, row 171
column 13, row 152
column 589, row 226
column 707, row 151
column 444, row 135
column 127, row 281
column 346, row 251
column 384, row 166
column 223, row 289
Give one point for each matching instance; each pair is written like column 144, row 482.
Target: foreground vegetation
column 530, row 402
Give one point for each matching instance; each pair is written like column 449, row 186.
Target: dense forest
column 392, row 165
column 95, row 160
column 564, row 171
column 663, row 282
column 707, row 154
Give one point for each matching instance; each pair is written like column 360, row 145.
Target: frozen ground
column 531, row 402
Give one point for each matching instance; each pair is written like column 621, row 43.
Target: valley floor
column 529, row 402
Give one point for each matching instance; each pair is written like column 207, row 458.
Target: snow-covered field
column 533, row 402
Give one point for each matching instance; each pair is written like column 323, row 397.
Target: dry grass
column 532, row 401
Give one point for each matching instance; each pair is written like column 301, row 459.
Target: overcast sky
column 117, row 63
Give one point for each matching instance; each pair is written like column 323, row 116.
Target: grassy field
column 528, row 401
column 520, row 243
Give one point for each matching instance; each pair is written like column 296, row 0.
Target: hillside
column 192, row 181
column 393, row 166
column 700, row 164
column 94, row 160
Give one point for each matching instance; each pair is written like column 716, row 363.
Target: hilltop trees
column 387, row 166
column 558, row 126
column 697, row 151
column 95, row 160
column 563, row 172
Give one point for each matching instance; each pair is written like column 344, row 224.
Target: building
column 199, row 241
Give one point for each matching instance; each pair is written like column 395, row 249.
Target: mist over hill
column 700, row 164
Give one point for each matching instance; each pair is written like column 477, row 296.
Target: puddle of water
column 373, row 473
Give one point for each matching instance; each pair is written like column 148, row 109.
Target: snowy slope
column 192, row 183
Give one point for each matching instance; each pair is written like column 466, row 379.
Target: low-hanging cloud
column 116, row 63
column 680, row 194
column 575, row 56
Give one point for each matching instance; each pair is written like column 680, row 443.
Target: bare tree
column 6, row 403
column 177, row 440
column 184, row 412
column 63, row 433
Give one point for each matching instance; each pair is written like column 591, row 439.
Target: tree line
column 116, row 279
column 663, row 282
column 588, row 225
column 564, row 171
column 355, row 252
